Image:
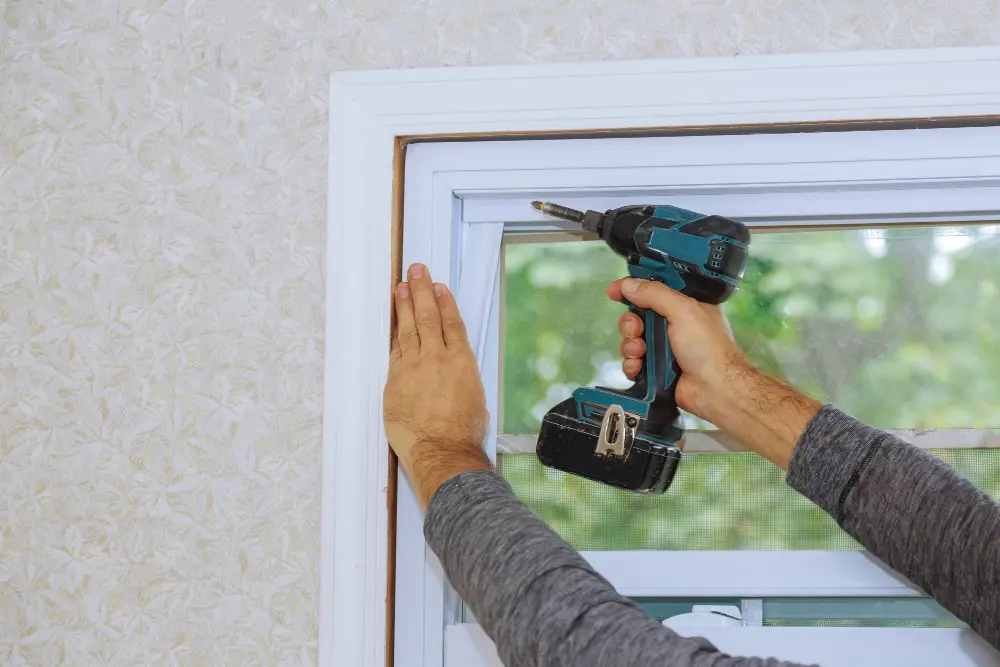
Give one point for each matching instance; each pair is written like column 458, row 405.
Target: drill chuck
column 591, row 221
column 557, row 211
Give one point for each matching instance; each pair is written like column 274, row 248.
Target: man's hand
column 434, row 405
column 717, row 382
column 699, row 336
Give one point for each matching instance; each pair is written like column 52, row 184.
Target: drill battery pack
column 624, row 456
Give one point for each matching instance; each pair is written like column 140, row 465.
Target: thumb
column 651, row 294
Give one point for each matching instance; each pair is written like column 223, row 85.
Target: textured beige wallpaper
column 162, row 203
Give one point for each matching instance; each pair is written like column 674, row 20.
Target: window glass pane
column 895, row 326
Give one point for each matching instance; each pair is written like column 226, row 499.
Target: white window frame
column 372, row 112
column 461, row 193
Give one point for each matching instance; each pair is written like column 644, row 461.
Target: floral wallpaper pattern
column 162, row 206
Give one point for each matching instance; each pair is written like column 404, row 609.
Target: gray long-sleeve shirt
column 543, row 605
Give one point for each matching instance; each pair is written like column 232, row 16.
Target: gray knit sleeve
column 538, row 599
column 910, row 509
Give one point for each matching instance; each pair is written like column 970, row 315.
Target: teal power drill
column 628, row 437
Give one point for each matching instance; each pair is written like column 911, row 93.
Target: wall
column 162, row 202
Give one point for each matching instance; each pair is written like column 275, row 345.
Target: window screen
column 896, row 326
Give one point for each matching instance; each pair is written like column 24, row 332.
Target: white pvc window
column 464, row 199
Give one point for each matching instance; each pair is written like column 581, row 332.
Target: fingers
column 633, row 348
column 632, row 351
column 631, row 367
column 651, row 294
column 425, row 307
column 630, row 325
column 615, row 290
column 406, row 328
column 452, row 326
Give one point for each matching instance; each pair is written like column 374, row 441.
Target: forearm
column 908, row 508
column 765, row 415
column 538, row 599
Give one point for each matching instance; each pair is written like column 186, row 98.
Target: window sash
column 452, row 196
column 468, row 646
column 749, row 574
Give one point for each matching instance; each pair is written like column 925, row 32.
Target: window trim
column 374, row 115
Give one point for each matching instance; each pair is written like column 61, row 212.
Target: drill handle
column 656, row 382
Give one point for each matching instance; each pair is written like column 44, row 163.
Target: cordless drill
column 628, row 437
